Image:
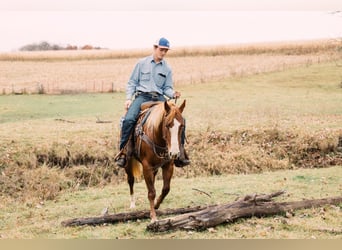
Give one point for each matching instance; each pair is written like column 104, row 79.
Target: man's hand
column 127, row 104
column 176, row 95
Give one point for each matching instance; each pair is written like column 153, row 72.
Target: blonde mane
column 157, row 114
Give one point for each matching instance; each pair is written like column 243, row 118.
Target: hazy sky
column 125, row 24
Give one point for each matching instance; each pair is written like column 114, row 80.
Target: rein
column 163, row 152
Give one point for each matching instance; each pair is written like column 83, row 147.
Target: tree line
column 44, row 46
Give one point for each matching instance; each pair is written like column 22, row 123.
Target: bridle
column 161, row 152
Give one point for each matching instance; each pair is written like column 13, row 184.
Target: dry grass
column 87, row 162
column 289, row 48
column 107, row 71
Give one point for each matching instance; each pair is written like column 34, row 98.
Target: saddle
column 132, row 147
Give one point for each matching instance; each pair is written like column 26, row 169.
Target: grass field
column 43, row 219
column 55, row 157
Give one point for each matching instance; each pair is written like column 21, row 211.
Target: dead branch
column 200, row 218
column 248, row 206
column 202, row 192
column 63, row 120
column 98, row 120
column 122, row 217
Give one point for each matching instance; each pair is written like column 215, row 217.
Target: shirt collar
column 152, row 60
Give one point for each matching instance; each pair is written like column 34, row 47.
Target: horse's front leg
column 167, row 175
column 149, row 176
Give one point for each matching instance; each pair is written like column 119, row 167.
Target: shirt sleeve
column 133, row 82
column 168, row 87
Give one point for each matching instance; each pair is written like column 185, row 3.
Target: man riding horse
column 150, row 80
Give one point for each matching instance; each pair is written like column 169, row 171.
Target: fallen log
column 250, row 205
column 98, row 120
column 122, row 217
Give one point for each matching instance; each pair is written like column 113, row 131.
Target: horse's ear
column 181, row 108
column 166, row 107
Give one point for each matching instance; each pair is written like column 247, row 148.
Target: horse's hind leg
column 167, row 175
column 130, row 180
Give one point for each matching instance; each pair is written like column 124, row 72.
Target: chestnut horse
column 156, row 144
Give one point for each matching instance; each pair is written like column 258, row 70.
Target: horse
column 155, row 144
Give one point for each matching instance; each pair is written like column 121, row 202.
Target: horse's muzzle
column 174, row 155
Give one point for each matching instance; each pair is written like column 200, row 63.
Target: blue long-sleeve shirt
column 149, row 76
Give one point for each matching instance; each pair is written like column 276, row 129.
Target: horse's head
column 173, row 127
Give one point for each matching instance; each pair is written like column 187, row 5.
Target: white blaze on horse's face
column 174, row 150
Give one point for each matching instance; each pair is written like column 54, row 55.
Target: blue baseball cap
column 162, row 43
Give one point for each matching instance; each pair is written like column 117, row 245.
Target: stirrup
column 121, row 160
column 120, row 153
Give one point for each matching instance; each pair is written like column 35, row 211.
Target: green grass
column 43, row 219
column 291, row 97
column 16, row 108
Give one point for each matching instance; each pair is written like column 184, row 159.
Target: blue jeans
column 132, row 114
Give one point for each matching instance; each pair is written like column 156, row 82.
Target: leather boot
column 120, row 159
column 183, row 159
column 125, row 153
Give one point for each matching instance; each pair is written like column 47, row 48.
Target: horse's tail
column 136, row 168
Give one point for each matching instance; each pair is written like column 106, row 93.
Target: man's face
column 159, row 53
